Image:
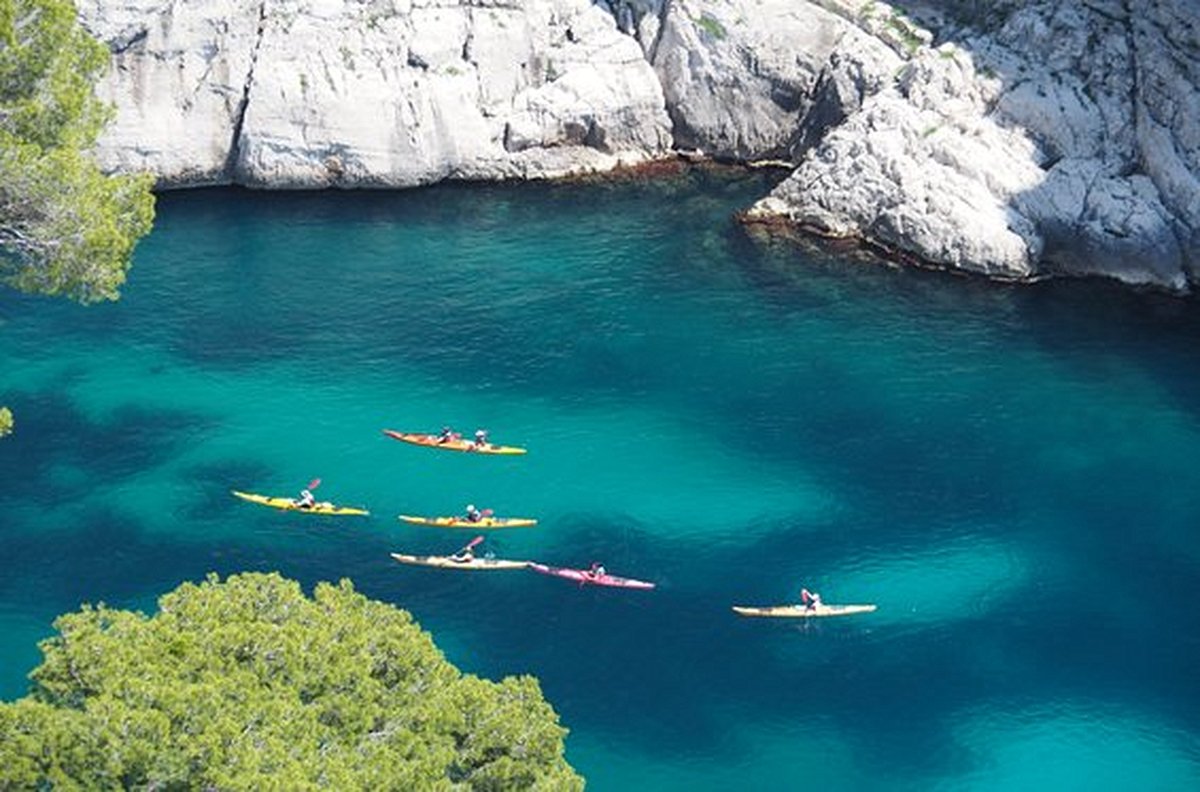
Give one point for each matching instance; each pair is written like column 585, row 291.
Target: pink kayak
column 585, row 577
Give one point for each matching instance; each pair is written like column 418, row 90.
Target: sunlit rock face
column 1018, row 139
column 1030, row 139
column 315, row 93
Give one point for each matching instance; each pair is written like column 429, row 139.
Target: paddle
column 487, row 512
column 461, row 555
column 312, row 485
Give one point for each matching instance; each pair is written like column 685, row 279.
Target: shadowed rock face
column 1013, row 139
column 1034, row 139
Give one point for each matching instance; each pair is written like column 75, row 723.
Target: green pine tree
column 248, row 684
column 65, row 228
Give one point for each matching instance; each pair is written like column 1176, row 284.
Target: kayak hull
column 586, row 578
column 287, row 504
column 801, row 612
column 431, row 441
column 446, row 562
column 459, row 522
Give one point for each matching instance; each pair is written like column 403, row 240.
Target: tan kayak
column 462, row 522
column 801, row 612
column 287, row 504
column 446, row 562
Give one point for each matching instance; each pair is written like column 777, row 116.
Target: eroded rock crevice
column 239, row 117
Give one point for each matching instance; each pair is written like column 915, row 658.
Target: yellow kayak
column 431, row 441
column 462, row 522
column 287, row 504
column 449, row 562
column 801, row 612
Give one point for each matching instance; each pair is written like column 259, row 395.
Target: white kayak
column 802, row 612
column 448, row 562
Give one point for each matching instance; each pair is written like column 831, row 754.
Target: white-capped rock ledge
column 1032, row 138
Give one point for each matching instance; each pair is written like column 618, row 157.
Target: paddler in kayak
column 306, row 500
column 481, row 439
column 467, row 553
column 446, row 435
column 473, row 514
column 811, row 600
column 597, row 570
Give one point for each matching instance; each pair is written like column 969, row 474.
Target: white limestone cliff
column 315, row 93
column 1060, row 140
column 1027, row 139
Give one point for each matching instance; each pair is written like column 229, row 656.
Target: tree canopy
column 248, row 684
column 65, row 227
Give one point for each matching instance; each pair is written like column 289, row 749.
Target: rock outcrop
column 1021, row 140
column 1060, row 140
column 317, row 93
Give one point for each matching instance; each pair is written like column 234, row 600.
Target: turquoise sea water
column 1010, row 473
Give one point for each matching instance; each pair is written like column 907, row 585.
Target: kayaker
column 597, row 570
column 306, row 500
column 446, row 435
column 473, row 514
column 465, row 555
column 810, row 599
column 481, row 440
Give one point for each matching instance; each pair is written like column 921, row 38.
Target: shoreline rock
column 1034, row 139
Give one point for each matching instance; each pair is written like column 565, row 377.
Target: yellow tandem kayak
column 801, row 612
column 287, row 504
column 462, row 522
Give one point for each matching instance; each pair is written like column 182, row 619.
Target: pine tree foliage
column 248, row 684
column 65, row 228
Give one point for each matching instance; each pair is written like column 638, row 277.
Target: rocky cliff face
column 1039, row 146
column 1014, row 138
column 317, row 93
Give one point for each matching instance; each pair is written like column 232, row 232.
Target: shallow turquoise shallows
column 1012, row 474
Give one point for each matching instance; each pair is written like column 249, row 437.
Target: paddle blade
column 312, row 485
column 487, row 512
column 473, row 542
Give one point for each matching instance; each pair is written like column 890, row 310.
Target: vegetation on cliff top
column 249, row 684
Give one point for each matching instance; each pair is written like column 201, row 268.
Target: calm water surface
column 1009, row 473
